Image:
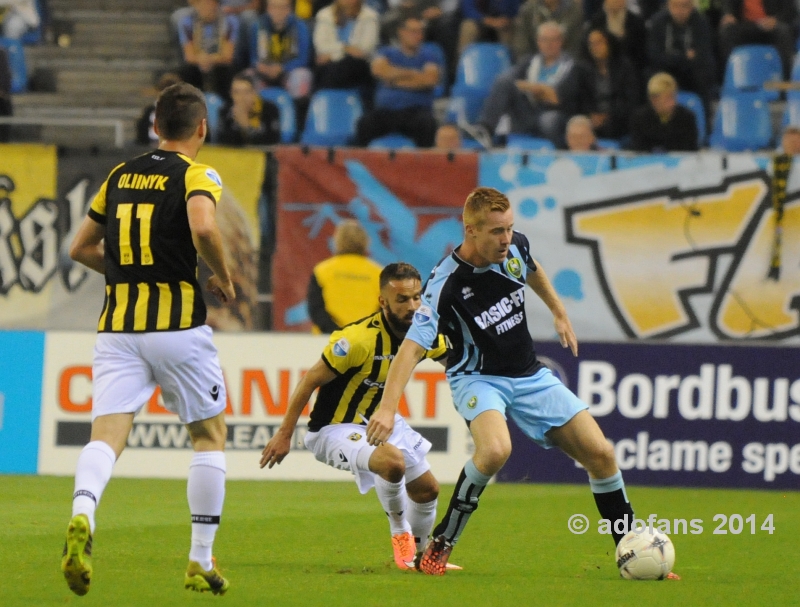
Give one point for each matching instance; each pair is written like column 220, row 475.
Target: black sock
column 463, row 503
column 613, row 506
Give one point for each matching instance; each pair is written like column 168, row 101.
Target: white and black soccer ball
column 642, row 555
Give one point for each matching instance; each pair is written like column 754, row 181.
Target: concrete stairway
column 116, row 50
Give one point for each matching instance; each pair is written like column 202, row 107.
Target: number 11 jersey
column 150, row 259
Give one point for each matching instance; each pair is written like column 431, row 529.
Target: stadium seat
column 332, row 118
column 791, row 115
column 742, row 122
column 441, row 62
column 392, row 141
column 281, row 98
column 16, row 59
column 693, row 102
column 214, row 103
column 796, row 68
column 477, row 69
column 750, row 66
column 609, row 144
column 531, row 144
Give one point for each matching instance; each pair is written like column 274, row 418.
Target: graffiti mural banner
column 43, row 201
column 679, row 415
column 29, row 235
column 409, row 202
column 658, row 247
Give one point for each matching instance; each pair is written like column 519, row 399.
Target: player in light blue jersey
column 475, row 297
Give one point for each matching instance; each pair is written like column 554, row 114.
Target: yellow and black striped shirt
column 150, row 259
column 359, row 355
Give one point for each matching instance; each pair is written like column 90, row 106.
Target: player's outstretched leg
column 200, row 580
column 76, row 563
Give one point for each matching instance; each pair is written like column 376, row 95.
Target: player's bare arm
column 543, row 288
column 279, row 445
column 87, row 247
column 381, row 423
column 208, row 242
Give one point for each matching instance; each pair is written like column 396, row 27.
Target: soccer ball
column 645, row 555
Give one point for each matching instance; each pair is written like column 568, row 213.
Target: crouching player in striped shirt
column 350, row 377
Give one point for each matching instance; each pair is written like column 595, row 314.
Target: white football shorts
column 338, row 445
column 128, row 366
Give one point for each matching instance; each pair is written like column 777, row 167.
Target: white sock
column 95, row 464
column 205, row 490
column 421, row 517
column 394, row 499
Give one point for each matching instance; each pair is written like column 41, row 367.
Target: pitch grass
column 303, row 543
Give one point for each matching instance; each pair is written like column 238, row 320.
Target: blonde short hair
column 482, row 201
column 660, row 83
column 350, row 237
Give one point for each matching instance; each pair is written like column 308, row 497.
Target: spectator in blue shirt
column 208, row 39
column 487, row 21
column 407, row 74
column 280, row 49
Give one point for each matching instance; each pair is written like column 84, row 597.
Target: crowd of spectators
column 592, row 58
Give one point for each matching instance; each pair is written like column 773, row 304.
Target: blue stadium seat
column 796, row 68
column 609, row 144
column 214, row 104
column 281, row 98
column 478, row 67
column 392, row 141
column 16, row 59
column 441, row 62
column 332, row 118
column 693, row 102
column 791, row 115
column 532, row 144
column 750, row 66
column 742, row 122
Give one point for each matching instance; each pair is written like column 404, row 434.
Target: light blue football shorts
column 536, row 404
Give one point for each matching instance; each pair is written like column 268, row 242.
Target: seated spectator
column 344, row 288
column 539, row 93
column 18, row 17
column 345, row 36
column 407, row 74
column 208, row 39
column 679, row 43
column 6, row 109
column 487, row 21
column 627, row 27
column 580, row 135
column 280, row 49
column 567, row 13
column 759, row 22
column 662, row 125
column 248, row 119
column 610, row 84
column 448, row 138
column 145, row 134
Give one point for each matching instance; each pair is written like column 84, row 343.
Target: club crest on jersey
column 423, row 314
column 467, row 292
column 355, row 437
column 514, row 267
column 214, row 176
column 472, row 402
column 341, row 347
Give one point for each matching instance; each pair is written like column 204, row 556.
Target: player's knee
column 602, row 461
column 490, row 457
column 422, row 494
column 391, row 465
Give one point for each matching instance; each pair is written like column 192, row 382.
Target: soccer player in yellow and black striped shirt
column 350, row 376
column 144, row 231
